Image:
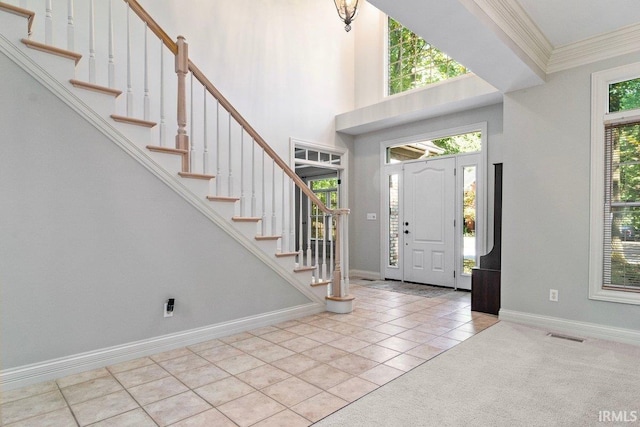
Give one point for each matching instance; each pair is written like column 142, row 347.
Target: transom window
column 414, row 63
column 615, row 181
column 455, row 144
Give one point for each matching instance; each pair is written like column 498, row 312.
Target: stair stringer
column 30, row 66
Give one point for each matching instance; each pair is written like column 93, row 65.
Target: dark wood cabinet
column 485, row 290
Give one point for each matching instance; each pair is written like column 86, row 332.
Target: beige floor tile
column 349, row 344
column 303, row 329
column 471, row 327
column 237, row 337
column 183, row 363
column 237, row 364
column 136, row 418
column 377, row 353
column 425, row 351
column 129, row 365
column 352, row 389
column 103, row 407
column 389, row 329
column 457, row 334
column 448, row 323
column 203, row 375
column 353, row 364
column 82, row 377
column 251, row 408
column 291, row 391
column 381, row 374
column 398, row 344
column 371, row 336
column 219, row 353
column 300, row 344
column 346, row 329
column 287, row 324
column 58, row 418
column 206, row 345
column 405, row 323
column 263, row 376
column 443, row 343
column 224, row 390
column 279, row 336
column 432, row 329
column 212, row 418
column 416, row 336
column 271, row 353
column 31, row 406
column 264, row 330
column 324, row 336
column 296, row 364
column 250, row 344
column 176, row 408
column 325, row 323
column 324, row 376
column 325, row 353
column 32, row 390
column 318, row 407
column 171, row 354
column 142, row 375
column 157, row 390
column 90, row 390
column 286, row 418
column 405, row 362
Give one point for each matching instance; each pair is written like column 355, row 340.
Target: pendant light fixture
column 347, row 10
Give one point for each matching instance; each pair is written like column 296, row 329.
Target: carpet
column 425, row 291
column 509, row 375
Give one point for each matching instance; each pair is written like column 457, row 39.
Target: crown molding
column 604, row 46
column 519, row 30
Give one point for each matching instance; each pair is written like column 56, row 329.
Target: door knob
column 406, row 223
column 406, row 231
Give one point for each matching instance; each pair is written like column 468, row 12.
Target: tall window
column 615, row 179
column 413, row 62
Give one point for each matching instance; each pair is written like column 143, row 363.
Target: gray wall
column 546, row 200
column 92, row 244
column 365, row 243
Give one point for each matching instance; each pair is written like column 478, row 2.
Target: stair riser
column 62, row 69
column 249, row 229
column 320, row 291
column 226, row 209
column 170, row 162
column 13, row 24
column 140, row 136
column 102, row 104
column 199, row 187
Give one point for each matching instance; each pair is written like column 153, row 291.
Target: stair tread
column 267, row 237
column 133, row 121
column 246, row 218
column 305, row 268
column 285, row 254
column 96, row 88
column 20, row 12
column 322, row 283
column 223, row 199
column 52, row 49
column 167, row 150
column 196, row 175
column 346, row 298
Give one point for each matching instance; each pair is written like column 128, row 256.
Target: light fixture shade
column 347, row 9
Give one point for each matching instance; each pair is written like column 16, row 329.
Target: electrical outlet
column 167, row 313
column 553, row 295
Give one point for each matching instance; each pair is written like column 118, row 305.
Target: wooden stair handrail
column 153, row 25
column 199, row 75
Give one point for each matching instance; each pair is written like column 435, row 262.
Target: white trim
column 620, row 42
column 599, row 107
column 68, row 365
column 572, row 327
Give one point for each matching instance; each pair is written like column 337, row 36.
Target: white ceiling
column 514, row 44
column 569, row 21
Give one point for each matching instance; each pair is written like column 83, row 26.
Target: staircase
column 216, row 159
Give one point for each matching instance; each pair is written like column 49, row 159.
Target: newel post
column 182, row 68
column 340, row 301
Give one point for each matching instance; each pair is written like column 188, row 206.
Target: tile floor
column 290, row 374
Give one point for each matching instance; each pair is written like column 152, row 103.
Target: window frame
column 600, row 117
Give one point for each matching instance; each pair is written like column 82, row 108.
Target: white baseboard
column 61, row 367
column 573, row 327
column 373, row 275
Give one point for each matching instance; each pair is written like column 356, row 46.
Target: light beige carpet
column 509, row 375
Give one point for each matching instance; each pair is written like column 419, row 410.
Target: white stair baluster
column 283, row 228
column 292, row 214
column 331, row 249
column 129, row 87
column 309, row 259
column 218, row 183
column 112, row 67
column 253, row 178
column 48, row 22
column 230, row 190
column 325, row 241
column 192, row 154
column 301, row 240
column 147, row 100
column 263, row 223
column 163, row 125
column 318, row 262
column 205, row 153
column 70, row 26
column 92, row 44
column 274, row 218
column 242, row 201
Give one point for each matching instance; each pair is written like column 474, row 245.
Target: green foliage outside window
column 414, row 63
column 624, row 95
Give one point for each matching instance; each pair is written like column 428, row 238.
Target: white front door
column 429, row 221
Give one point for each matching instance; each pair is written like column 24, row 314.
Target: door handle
column 406, row 231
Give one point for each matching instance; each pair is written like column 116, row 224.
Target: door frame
column 481, row 197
